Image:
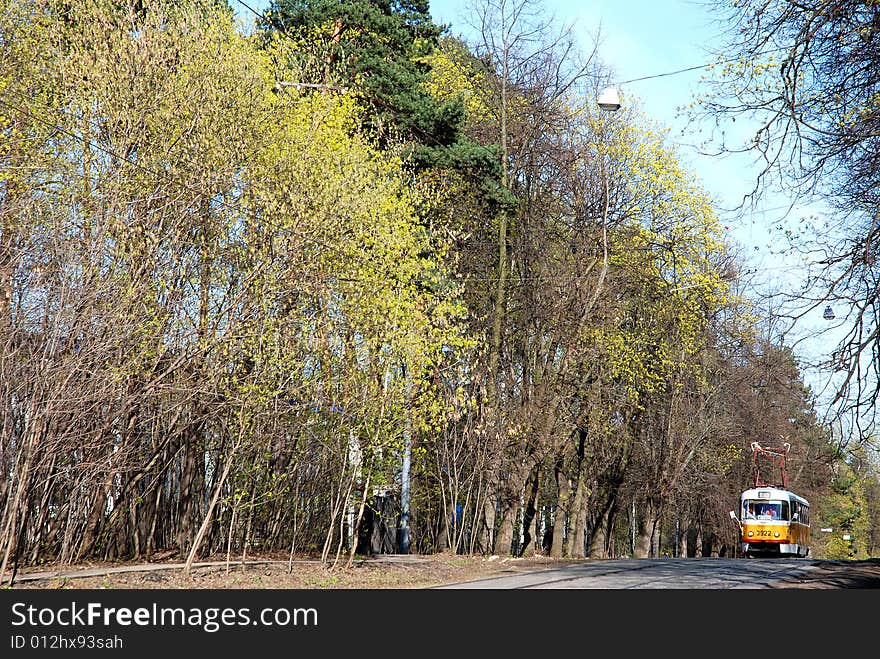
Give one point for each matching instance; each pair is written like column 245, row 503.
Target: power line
column 621, row 82
column 694, row 68
column 662, row 75
column 251, row 9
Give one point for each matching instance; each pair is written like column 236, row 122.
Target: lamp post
column 403, row 540
column 403, row 530
column 609, row 101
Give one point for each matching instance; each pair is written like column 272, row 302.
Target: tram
column 774, row 521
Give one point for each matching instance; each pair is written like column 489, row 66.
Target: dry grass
column 381, row 572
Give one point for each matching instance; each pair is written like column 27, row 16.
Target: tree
column 808, row 74
column 379, row 50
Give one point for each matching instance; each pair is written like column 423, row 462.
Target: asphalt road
column 689, row 573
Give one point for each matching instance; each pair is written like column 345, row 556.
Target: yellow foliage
column 453, row 76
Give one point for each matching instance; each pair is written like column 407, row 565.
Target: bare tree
column 807, row 75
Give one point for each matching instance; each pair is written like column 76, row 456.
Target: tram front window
column 777, row 510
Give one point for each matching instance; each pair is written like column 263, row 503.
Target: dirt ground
column 277, row 572
column 379, row 572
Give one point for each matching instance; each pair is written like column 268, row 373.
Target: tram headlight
column 776, row 535
column 751, row 533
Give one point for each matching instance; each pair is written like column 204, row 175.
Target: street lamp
column 609, row 100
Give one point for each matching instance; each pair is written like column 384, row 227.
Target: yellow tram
column 774, row 522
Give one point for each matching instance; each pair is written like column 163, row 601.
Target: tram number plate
column 762, row 533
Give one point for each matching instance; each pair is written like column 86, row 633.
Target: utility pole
column 403, row 531
column 404, row 490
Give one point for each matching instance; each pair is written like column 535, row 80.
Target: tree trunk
column 190, row 492
column 644, row 532
column 530, row 511
column 682, row 539
column 560, row 515
column 576, row 545
column 599, row 536
column 504, row 537
column 510, row 494
column 218, row 488
column 485, row 537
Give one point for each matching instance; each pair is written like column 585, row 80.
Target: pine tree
column 379, row 49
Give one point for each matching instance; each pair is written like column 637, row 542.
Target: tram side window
column 802, row 510
column 785, row 515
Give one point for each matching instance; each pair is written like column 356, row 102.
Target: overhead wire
column 695, row 68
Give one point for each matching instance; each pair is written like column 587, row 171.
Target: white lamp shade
column 609, row 99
